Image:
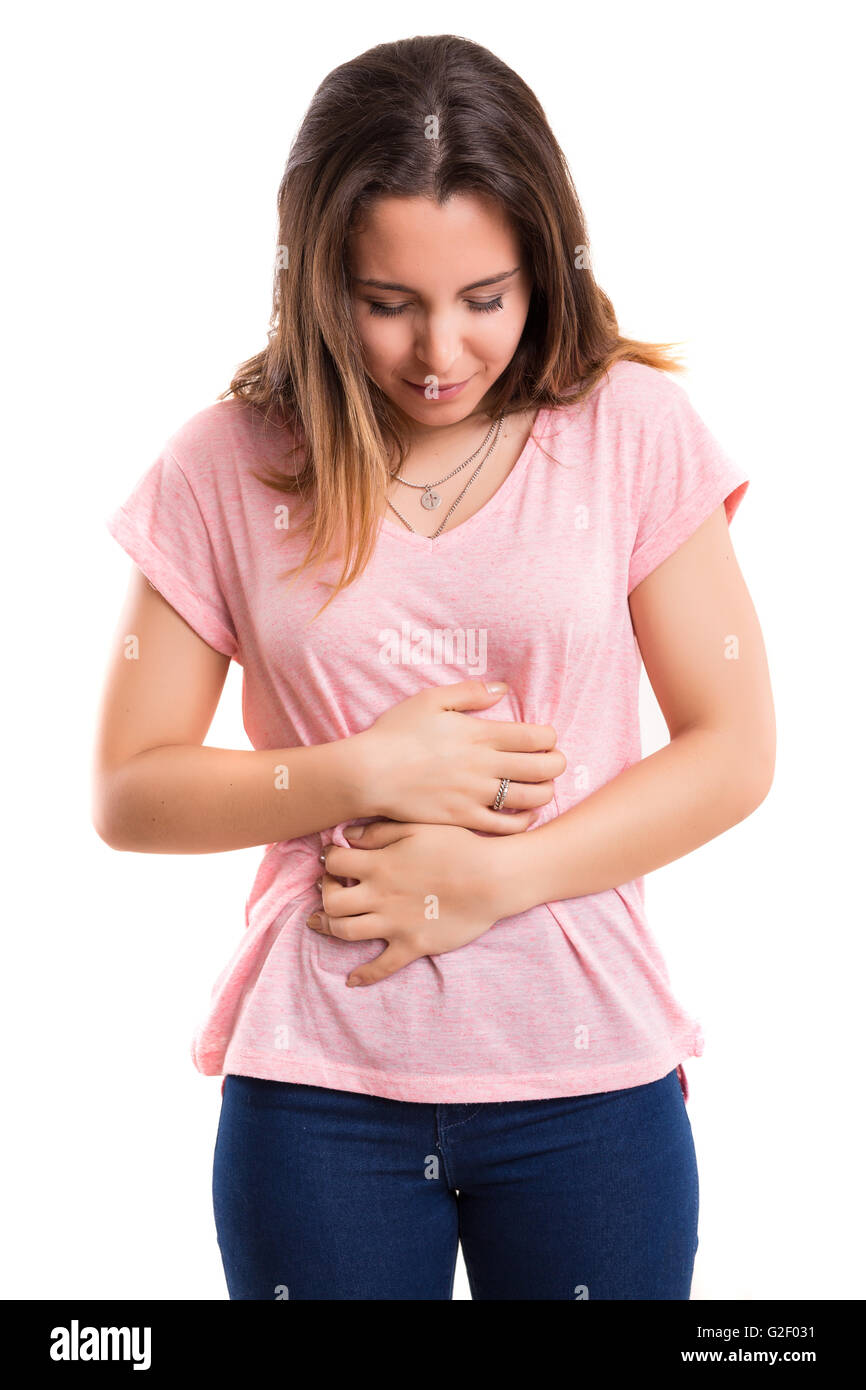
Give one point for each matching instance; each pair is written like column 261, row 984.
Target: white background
column 716, row 152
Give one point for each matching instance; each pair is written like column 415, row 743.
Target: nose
column 439, row 344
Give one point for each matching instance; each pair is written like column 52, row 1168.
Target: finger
column 347, row 928
column 338, row 900
column 467, row 694
column 377, row 833
column 502, row 823
column 393, row 958
column 527, row 767
column 509, row 737
column 351, row 863
column 318, row 922
column 353, row 926
column 327, row 926
column 519, row 796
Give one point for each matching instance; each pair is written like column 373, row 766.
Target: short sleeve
column 160, row 525
column 687, row 476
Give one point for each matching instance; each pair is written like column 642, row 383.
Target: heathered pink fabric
column 569, row 997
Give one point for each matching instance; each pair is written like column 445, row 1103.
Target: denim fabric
column 328, row 1194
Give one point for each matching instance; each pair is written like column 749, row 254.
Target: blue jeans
column 327, row 1194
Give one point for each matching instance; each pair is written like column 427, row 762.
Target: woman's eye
column 479, row 307
column 485, row 306
column 387, row 309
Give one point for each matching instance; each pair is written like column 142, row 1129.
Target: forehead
column 418, row 233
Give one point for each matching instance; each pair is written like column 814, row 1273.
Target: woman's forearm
column 659, row 809
column 193, row 799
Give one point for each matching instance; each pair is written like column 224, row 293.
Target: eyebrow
column 407, row 289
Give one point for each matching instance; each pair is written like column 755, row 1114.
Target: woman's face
column 428, row 319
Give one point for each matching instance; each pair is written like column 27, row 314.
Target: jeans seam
column 443, row 1129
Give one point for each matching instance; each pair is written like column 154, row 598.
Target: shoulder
column 629, row 396
column 217, row 430
column 219, row 445
column 612, row 429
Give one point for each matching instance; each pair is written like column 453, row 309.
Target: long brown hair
column 363, row 137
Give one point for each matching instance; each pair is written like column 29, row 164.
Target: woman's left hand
column 425, row 889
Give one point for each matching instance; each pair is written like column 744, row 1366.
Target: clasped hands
column 425, row 889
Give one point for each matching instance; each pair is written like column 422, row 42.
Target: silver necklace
column 497, row 425
column 433, row 499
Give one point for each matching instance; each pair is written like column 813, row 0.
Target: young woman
column 439, row 520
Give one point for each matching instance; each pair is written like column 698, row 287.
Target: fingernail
column 355, row 832
column 321, row 858
column 495, row 687
column 314, row 920
column 353, row 982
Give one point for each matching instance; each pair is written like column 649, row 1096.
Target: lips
column 442, row 385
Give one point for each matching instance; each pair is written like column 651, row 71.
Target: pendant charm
column 430, row 499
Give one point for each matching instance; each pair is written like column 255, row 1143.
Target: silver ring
column 501, row 794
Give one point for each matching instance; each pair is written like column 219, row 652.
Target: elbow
column 765, row 763
column 761, row 765
column 768, row 779
column 108, row 839
column 760, row 745
column 104, row 812
column 744, row 770
column 104, row 827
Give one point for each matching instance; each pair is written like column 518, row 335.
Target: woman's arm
column 156, row 789
column 660, row 809
column 189, row 799
column 704, row 654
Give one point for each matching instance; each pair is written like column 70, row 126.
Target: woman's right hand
column 428, row 761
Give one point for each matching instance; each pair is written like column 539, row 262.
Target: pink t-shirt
column 568, row 997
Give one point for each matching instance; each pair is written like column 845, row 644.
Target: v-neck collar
column 484, row 514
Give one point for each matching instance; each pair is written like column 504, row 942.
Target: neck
column 446, row 442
